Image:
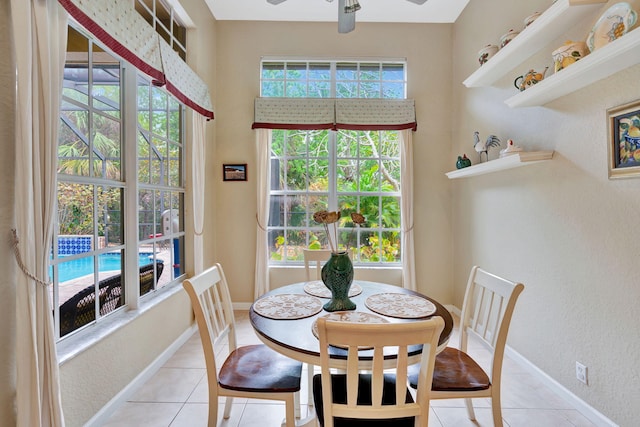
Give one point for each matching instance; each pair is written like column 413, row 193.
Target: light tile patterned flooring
column 177, row 397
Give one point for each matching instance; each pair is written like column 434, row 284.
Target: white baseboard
column 119, row 399
column 243, row 306
column 453, row 309
column 580, row 405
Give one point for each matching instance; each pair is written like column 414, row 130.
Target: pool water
column 106, row 262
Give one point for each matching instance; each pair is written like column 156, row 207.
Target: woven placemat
column 287, row 306
column 319, row 289
column 402, row 306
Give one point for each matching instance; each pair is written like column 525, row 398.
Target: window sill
column 362, row 266
column 75, row 345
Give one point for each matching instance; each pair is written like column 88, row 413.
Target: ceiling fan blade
column 275, row 1
column 346, row 21
column 418, row 1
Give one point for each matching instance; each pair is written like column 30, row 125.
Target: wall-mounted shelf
column 550, row 25
column 513, row 161
column 615, row 56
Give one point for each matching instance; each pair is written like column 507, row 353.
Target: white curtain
column 39, row 37
column 406, row 220
column 198, row 161
column 263, row 174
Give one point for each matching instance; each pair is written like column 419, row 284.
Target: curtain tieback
column 409, row 229
column 260, row 225
column 23, row 267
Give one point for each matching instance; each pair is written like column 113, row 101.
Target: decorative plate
column 318, row 289
column 350, row 316
column 403, row 306
column 287, row 306
column 613, row 24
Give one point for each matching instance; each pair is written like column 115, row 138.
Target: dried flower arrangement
column 325, row 218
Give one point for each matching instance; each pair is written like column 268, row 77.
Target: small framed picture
column 237, row 172
column 624, row 141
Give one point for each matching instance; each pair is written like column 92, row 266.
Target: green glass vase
column 337, row 275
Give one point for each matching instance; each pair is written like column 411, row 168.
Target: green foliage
column 79, row 154
column 367, row 175
column 362, row 183
column 77, row 210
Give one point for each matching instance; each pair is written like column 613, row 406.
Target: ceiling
column 433, row 11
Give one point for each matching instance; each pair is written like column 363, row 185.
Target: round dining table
column 294, row 335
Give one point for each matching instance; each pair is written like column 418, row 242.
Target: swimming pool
column 106, row 262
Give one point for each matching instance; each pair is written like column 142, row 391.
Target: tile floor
column 177, row 397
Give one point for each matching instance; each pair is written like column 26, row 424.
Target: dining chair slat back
column 379, row 396
column 487, row 309
column 252, row 371
column 315, row 258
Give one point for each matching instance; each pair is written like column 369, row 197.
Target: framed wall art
column 234, row 172
column 624, row 141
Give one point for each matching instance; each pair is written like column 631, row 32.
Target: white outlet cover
column 581, row 373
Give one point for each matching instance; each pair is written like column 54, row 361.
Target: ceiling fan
column 346, row 12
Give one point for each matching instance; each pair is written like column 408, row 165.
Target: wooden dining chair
column 252, row 371
column 487, row 309
column 379, row 397
column 315, row 258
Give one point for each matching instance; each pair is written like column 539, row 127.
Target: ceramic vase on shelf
column 506, row 38
column 337, row 275
column 567, row 54
column 487, row 53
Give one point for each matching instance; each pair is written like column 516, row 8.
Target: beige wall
column 240, row 46
column 90, row 380
column 561, row 227
column 202, row 58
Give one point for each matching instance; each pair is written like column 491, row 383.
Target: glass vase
column 337, row 275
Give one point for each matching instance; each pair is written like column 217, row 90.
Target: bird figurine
column 463, row 162
column 483, row 147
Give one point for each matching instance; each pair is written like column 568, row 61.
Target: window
column 160, row 176
column 90, row 257
column 349, row 171
column 162, row 17
column 309, row 79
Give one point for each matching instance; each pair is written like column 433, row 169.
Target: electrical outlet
column 581, row 373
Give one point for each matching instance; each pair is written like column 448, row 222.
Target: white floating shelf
column 512, row 161
column 550, row 25
column 609, row 59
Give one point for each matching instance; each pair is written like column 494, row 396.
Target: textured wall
column 90, row 380
column 427, row 50
column 561, row 227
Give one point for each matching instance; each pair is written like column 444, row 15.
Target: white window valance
column 382, row 114
column 183, row 82
column 121, row 28
column 126, row 33
column 294, row 113
column 334, row 113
